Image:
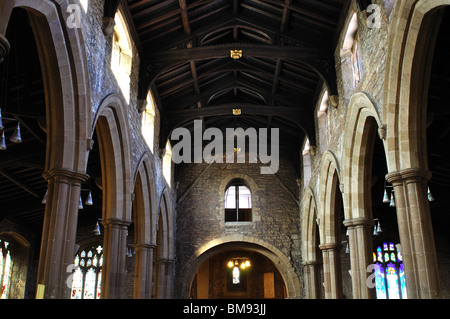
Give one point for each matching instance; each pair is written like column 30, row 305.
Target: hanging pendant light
column 1, row 122
column 2, row 142
column 44, row 200
column 16, row 137
column 89, row 201
column 392, row 203
column 375, row 233
column 97, row 231
column 80, row 204
column 386, row 197
column 347, row 249
column 379, row 230
column 430, row 196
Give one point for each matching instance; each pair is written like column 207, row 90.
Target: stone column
column 416, row 232
column 361, row 255
column 332, row 270
column 59, row 232
column 312, row 284
column 114, row 258
column 143, row 282
column 165, row 269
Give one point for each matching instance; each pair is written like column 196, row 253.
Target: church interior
column 96, row 204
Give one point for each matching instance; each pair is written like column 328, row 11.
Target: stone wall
column 201, row 217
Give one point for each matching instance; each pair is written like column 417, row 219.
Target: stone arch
column 145, row 219
column 65, row 75
column 165, row 250
column 145, row 201
column 282, row 262
column 361, row 119
column 66, row 81
column 329, row 183
column 412, row 37
column 359, row 136
column 308, row 222
column 111, row 124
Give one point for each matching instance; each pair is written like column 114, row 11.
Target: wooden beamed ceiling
column 287, row 55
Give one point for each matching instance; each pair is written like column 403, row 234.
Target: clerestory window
column 238, row 203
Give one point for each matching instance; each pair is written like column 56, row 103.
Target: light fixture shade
column 392, row 203
column 1, row 122
column 2, row 142
column 379, row 230
column 80, row 204
column 375, row 233
column 97, row 231
column 17, row 136
column 347, row 249
column 89, row 201
column 430, row 196
column 386, row 197
column 44, row 200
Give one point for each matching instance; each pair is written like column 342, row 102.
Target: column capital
column 310, row 263
column 408, row 175
column 115, row 222
column 332, row 246
column 144, row 246
column 4, row 47
column 61, row 173
column 363, row 221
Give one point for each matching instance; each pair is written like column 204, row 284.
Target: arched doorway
column 241, row 243
column 238, row 273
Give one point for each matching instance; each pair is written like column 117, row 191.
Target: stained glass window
column 5, row 268
column 390, row 280
column 87, row 278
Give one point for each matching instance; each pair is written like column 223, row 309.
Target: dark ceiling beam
column 293, row 115
column 363, row 4
column 318, row 60
column 285, row 16
column 19, row 183
column 292, row 112
column 181, row 103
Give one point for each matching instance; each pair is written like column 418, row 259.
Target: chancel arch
column 291, row 280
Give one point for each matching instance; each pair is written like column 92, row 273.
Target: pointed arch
column 66, row 81
column 362, row 123
column 329, row 186
column 112, row 129
column 145, row 202
column 408, row 50
column 309, row 226
column 165, row 250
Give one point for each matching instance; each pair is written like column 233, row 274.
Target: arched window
column 238, row 202
column 323, row 122
column 351, row 57
column 306, row 157
column 148, row 122
column 5, row 268
column 167, row 163
column 122, row 54
column 390, row 280
column 87, row 278
column 85, row 5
